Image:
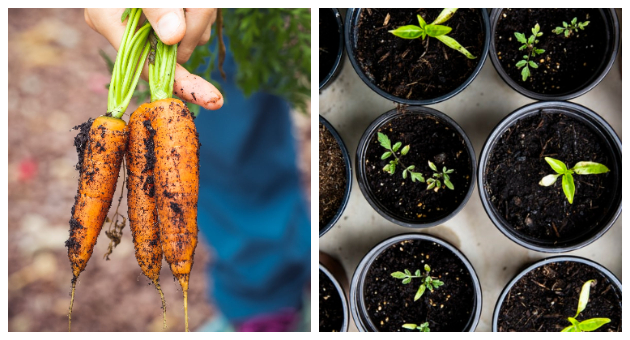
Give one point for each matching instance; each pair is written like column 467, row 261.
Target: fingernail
column 168, row 25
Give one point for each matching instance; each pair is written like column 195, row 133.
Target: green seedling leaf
column 424, row 327
column 125, row 14
column 450, row 171
column 549, row 180
column 411, row 326
column 384, row 140
column 407, row 272
column 416, row 176
column 386, row 155
column 398, row 275
column 567, row 33
column 556, row 165
column 574, row 21
column 421, row 21
column 405, row 150
column 411, row 167
column 419, row 293
column 584, row 295
column 437, row 30
column 387, row 168
column 432, row 166
column 592, row 324
column 427, row 268
column 564, row 23
column 448, row 183
column 590, row 168
column 405, row 174
column 568, row 186
column 558, row 30
column 408, row 32
column 431, row 185
column 539, row 51
column 533, row 64
column 520, row 37
column 397, row 146
column 437, row 283
column 407, row 280
column 446, row 14
column 452, row 43
column 525, row 73
column 417, row 273
column 570, row 329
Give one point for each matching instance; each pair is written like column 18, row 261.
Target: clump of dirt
column 332, row 176
column 81, row 140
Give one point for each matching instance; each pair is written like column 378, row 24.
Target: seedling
column 435, row 183
column 569, row 29
column 580, row 168
column 427, row 282
column 586, row 325
column 434, row 30
column 422, row 328
column 393, row 151
column 532, row 51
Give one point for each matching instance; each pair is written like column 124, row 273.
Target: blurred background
column 57, row 79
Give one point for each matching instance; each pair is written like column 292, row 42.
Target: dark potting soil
column 332, row 176
column 328, row 41
column 416, row 68
column 517, row 164
column 390, row 304
column 330, row 306
column 430, row 139
column 567, row 62
column 544, row 298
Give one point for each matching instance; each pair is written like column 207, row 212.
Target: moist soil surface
column 390, row 304
column 332, row 176
column 517, row 164
column 544, row 298
column 567, row 62
column 330, row 306
column 417, row 69
column 328, row 41
column 430, row 139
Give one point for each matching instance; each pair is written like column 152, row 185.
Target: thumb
column 168, row 23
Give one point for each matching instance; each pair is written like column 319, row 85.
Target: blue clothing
column 251, row 209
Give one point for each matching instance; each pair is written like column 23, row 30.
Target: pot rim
column 342, row 296
column 337, row 65
column 613, row 23
column 353, row 12
column 356, row 285
column 540, row 263
column 348, row 163
column 586, row 116
column 362, row 176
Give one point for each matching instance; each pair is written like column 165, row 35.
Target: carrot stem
column 186, row 309
column 74, row 284
column 162, row 71
column 156, row 283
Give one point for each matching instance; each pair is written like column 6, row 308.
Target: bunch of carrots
column 161, row 148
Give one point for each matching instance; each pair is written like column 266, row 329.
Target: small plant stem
column 74, row 285
column 162, row 71
column 156, row 283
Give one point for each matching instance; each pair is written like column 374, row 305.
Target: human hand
column 172, row 27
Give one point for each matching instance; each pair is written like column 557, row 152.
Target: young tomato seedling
column 422, row 327
column 569, row 29
column 392, row 151
column 435, row 183
column 586, row 325
column 580, row 168
column 532, row 51
column 427, row 282
column 434, row 30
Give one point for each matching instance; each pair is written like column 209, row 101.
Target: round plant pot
column 431, row 136
column 331, row 40
column 353, row 17
column 333, row 314
column 454, row 306
column 512, row 164
column 589, row 74
column 551, row 287
column 348, row 179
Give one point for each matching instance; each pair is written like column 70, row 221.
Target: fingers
column 169, row 24
column 196, row 90
column 198, row 22
column 107, row 23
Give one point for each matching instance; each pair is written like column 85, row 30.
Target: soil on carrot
column 544, row 298
column 416, row 68
column 332, row 176
column 330, row 306
column 390, row 303
column 517, row 164
column 328, row 42
column 567, row 62
column 429, row 139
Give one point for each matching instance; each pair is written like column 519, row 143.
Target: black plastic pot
column 338, row 64
column 613, row 33
column 357, row 305
column 609, row 139
column 362, row 176
column 346, row 158
column 352, row 17
column 342, row 295
column 508, row 287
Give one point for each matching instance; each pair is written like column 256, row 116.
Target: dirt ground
column 56, row 81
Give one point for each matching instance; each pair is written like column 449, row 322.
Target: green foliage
column 569, row 29
column 422, row 328
column 393, row 151
column 586, row 325
column 530, row 45
column 434, row 30
column 272, row 50
column 435, row 183
column 426, row 281
column 580, row 168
